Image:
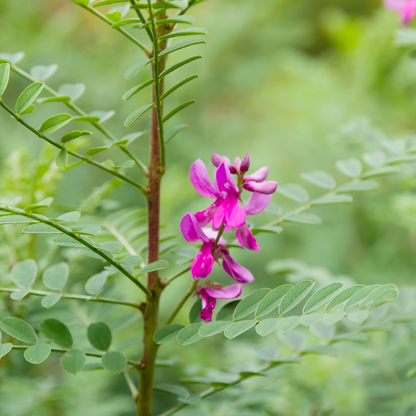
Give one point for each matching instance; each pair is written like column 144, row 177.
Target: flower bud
column 216, row 159
column 245, row 163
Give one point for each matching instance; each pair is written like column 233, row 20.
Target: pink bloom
column 405, row 8
column 210, row 295
column 246, row 238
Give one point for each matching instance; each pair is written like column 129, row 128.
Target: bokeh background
column 298, row 85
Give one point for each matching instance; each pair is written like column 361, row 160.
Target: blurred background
column 298, row 85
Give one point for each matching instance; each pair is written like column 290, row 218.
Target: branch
column 75, row 297
column 77, row 155
column 182, row 302
column 131, row 384
column 142, row 19
column 43, row 219
column 177, row 275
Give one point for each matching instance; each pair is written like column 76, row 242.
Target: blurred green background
column 298, row 85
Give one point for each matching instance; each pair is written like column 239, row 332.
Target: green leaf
column 274, row 229
column 294, row 192
column 95, row 284
column 286, row 360
column 266, row 352
column 176, row 4
column 351, row 336
column 93, row 254
column 89, row 119
column 117, row 13
column 99, row 336
column 107, row 2
column 172, row 389
column 373, row 297
column 181, row 45
column 195, row 312
column 67, row 241
column 176, row 20
column 358, row 317
column 343, row 297
column 332, row 200
column 16, row 219
column 294, row 340
column 72, row 90
column 173, row 132
column 319, row 178
column 57, row 332
column 177, row 109
column 134, row 261
column 410, row 373
column 267, row 326
column 226, row 313
column 389, row 296
column 41, row 228
column 37, row 354
column 4, row 77
column 287, row 324
column 388, row 170
column 322, row 296
column 73, row 361
column 74, row 135
column 152, row 267
column 24, row 273
column 50, row 300
column 333, row 318
column 72, row 216
column 213, row 328
column 132, row 91
column 95, row 150
column 249, row 303
column 166, row 333
column 125, row 22
column 41, row 204
column 55, row 277
column 12, row 58
column 5, row 349
column 42, row 72
column 313, row 318
column 27, row 97
column 323, row 331
column 55, row 123
column 321, row 350
column 130, row 138
column 136, row 114
column 19, row 294
column 185, row 32
column 360, row 296
column 134, row 69
column 295, row 295
column 18, row 329
column 236, row 329
column 62, row 158
column 375, row 159
column 179, row 65
column 178, row 85
column 360, row 186
column 350, row 167
column 72, row 165
column 103, row 116
column 60, row 99
column 272, row 300
column 111, row 246
column 28, row 110
column 189, row 334
column 308, row 219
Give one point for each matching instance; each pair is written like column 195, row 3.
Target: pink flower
column 210, row 251
column 405, row 8
column 210, row 295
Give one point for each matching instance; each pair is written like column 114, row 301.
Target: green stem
column 142, row 19
column 220, row 231
column 120, row 237
column 131, row 384
column 77, row 155
column 190, row 291
column 171, row 279
column 75, row 297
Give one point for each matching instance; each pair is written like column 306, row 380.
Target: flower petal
column 235, row 214
column 245, row 163
column 208, row 305
column 227, row 292
column 246, row 238
column 191, row 230
column 209, row 232
column 201, row 181
column 262, row 187
column 203, row 262
column 257, row 203
column 235, row 270
column 204, row 217
column 258, row 176
column 225, row 180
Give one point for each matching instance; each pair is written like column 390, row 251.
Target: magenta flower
column 210, row 252
column 210, row 295
column 405, row 8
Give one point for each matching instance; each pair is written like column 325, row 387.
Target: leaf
column 73, row 361
column 213, row 328
column 41, row 204
column 172, row 389
column 94, row 255
column 62, row 158
column 333, row 318
column 236, row 329
column 375, row 159
column 74, row 135
column 272, row 300
column 351, row 336
column 181, row 45
column 19, row 294
column 309, row 219
column 321, row 297
column 226, row 313
column 134, row 69
column 50, row 300
column 99, row 336
column 107, row 2
column 185, row 32
column 185, row 19
column 349, row 167
column 321, row 350
column 152, row 267
column 103, row 115
column 16, row 219
column 319, row 178
column 72, row 90
column 287, row 324
column 195, row 312
column 60, row 98
column 95, row 150
column 117, row 13
column 266, row 352
column 323, row 331
column 72, row 216
column 274, row 229
column 4, row 77
column 332, row 200
column 130, row 138
column 12, row 58
column 295, row 295
column 267, row 326
column 18, row 329
column 136, row 114
column 176, row 4
column 132, row 91
column 41, row 228
column 387, row 170
column 389, row 296
column 37, row 354
column 134, row 261
column 343, row 297
column 72, row 165
column 111, row 246
column 173, row 132
column 27, row 97
column 178, row 85
column 67, row 241
column 57, row 332
column 125, row 22
column 55, row 123
column 411, row 373
column 189, row 334
column 249, row 303
column 358, row 317
column 179, row 65
column 28, row 110
column 294, row 340
column 294, row 192
column 361, row 186
column 55, row 277
column 373, row 297
column 5, row 349
column 177, row 109
column 359, row 296
column 24, row 273
column 166, row 333
column 89, row 119
column 313, row 318
column 42, row 72
column 95, row 284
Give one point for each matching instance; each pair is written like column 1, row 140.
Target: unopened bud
column 216, row 159
column 245, row 163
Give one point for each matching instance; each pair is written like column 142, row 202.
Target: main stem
column 154, row 285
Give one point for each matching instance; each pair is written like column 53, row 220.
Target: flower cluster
column 405, row 8
column 224, row 214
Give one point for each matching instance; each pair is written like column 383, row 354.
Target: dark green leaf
column 272, row 300
column 177, row 109
column 37, row 354
column 73, row 361
column 152, row 267
column 18, row 329
column 173, row 132
column 213, row 328
column 322, row 296
column 74, row 135
column 134, row 69
column 4, row 77
column 55, row 277
column 132, row 91
column 107, row 2
column 226, row 313
column 189, row 334
column 172, row 389
column 178, row 85
column 185, row 32
column 126, row 22
column 249, row 303
column 24, row 273
column 179, row 64
column 60, row 98
column 95, row 150
column 181, row 45
column 28, row 110
column 55, row 123
column 136, row 114
column 42, row 229
column 295, row 295
column 95, row 284
column 195, row 312
column 176, row 20
column 166, row 333
column 5, row 349
column 57, row 332
column 27, row 97
column 99, row 336
column 236, row 329
column 89, row 119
